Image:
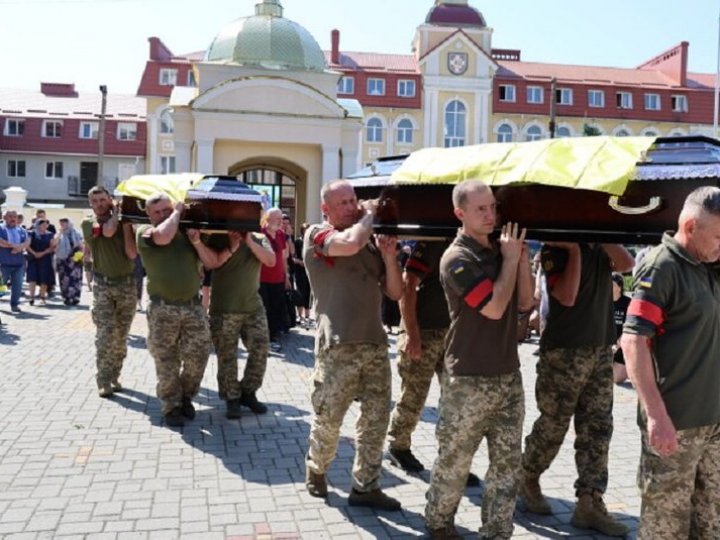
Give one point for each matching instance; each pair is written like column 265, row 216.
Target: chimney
column 335, row 54
column 58, row 89
column 158, row 50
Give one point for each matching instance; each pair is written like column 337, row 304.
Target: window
column 564, row 96
column 652, row 102
column 374, row 130
column 89, row 130
column 563, row 132
column 623, row 100
column 167, row 164
column 346, row 85
column 622, row 133
column 406, row 88
column 650, row 133
column 14, row 128
column 168, row 77
column 191, row 78
column 52, row 128
column 376, row 87
column 405, row 131
column 166, row 122
column 507, row 92
column 127, row 131
column 15, row 168
column 54, row 169
column 534, row 94
column 533, row 133
column 679, row 103
column 455, row 114
column 596, row 98
column 505, row 133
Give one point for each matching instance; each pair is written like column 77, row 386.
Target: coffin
column 212, row 202
column 647, row 206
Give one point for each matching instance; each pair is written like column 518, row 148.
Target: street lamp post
column 101, row 136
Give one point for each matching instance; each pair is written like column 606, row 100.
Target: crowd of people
column 460, row 303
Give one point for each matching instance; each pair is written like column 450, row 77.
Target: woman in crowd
column 69, row 262
column 40, row 253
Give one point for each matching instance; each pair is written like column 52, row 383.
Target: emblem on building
column 457, row 62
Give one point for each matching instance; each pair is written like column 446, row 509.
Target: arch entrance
column 281, row 182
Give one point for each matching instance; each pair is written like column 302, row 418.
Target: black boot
column 249, row 400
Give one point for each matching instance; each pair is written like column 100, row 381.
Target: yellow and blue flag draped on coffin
column 596, row 163
column 174, row 186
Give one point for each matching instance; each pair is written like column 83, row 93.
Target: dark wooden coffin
column 650, row 205
column 216, row 203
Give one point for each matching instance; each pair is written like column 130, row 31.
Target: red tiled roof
column 584, row 74
column 374, row 61
column 701, row 80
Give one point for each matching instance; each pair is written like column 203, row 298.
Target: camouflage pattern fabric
column 179, row 341
column 681, row 493
column 226, row 329
column 573, row 382
column 342, row 373
column 415, row 379
column 472, row 408
column 113, row 310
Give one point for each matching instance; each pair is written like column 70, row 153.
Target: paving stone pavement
column 73, row 465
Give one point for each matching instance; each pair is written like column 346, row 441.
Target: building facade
column 49, row 141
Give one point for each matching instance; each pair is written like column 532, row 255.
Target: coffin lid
column 187, row 186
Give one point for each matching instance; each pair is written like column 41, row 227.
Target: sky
column 94, row 42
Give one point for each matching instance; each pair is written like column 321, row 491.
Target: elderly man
column 113, row 249
column 575, row 378
column 275, row 279
column 486, row 283
column 671, row 344
column 14, row 240
column 178, row 331
column 237, row 311
column 348, row 273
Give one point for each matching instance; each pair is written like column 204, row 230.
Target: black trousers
column 273, row 297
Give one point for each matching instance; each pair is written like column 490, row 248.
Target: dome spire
column 272, row 8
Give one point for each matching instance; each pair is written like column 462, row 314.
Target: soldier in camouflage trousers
column 113, row 250
column 671, row 343
column 237, row 312
column 485, row 283
column 575, row 378
column 349, row 271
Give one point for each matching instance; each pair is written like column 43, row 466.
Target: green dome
column 267, row 40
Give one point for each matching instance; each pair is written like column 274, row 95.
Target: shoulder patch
column 457, row 267
column 645, row 282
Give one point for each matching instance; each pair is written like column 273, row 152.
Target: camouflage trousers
column 179, row 341
column 473, row 408
column 415, row 379
column 573, row 382
column 342, row 374
column 681, row 493
column 113, row 310
column 226, row 329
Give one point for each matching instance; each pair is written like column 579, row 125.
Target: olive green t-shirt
column 590, row 322
column 424, row 263
column 348, row 291
column 235, row 284
column 676, row 304
column 476, row 345
column 108, row 253
column 173, row 271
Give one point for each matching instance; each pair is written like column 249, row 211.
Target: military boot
column 406, row 460
column 105, row 391
column 233, row 409
column 448, row 532
column 591, row 513
column 316, row 484
column 373, row 499
column 250, row 400
column 531, row 494
column 187, row 409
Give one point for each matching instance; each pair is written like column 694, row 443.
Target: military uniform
column 178, row 331
column 433, row 320
column 114, row 300
column 351, row 356
column 676, row 304
column 574, row 373
column 482, row 394
column 237, row 312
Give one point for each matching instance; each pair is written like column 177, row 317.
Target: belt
column 118, row 280
column 194, row 301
